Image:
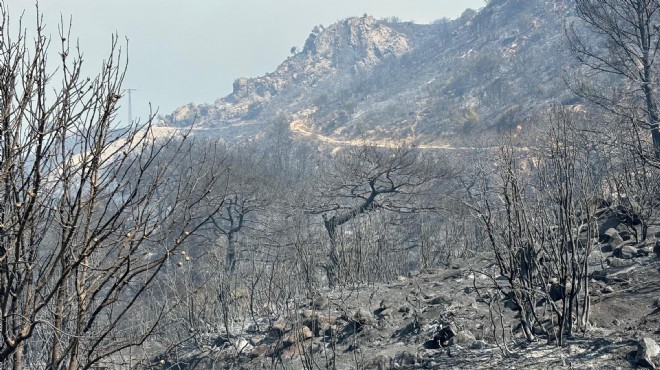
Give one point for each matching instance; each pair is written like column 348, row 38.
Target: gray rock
column 257, row 339
column 625, row 252
column 363, row 317
column 380, row 362
column 606, row 248
column 609, row 234
column 445, row 334
column 624, row 231
column 252, row 328
column 261, row 350
column 645, row 250
column 387, row 312
column 320, row 302
column 320, row 324
column 439, row 300
column 479, row 344
column 241, row 345
column 617, row 241
column 280, row 325
column 461, row 337
column 647, row 351
column 406, row 358
column 298, row 335
column 453, row 351
column 618, row 262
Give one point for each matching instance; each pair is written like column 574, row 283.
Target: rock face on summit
column 346, row 48
column 491, row 70
column 356, row 44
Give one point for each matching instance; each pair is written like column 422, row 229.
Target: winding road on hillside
column 300, row 127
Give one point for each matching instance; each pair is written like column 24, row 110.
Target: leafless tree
column 620, row 45
column 90, row 212
column 366, row 178
column 540, row 220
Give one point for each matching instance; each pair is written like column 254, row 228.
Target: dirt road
column 300, row 127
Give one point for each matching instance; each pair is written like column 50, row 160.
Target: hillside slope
column 363, row 78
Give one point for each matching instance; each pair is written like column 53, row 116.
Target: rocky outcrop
column 348, row 47
column 648, row 352
column 487, row 71
column 356, row 44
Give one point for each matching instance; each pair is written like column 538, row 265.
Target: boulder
column 319, row 324
column 445, row 334
column 387, row 312
column 625, row 252
column 617, row 241
column 453, row 351
column 606, row 248
column 320, row 302
column 606, row 234
column 241, row 345
column 624, row 231
column 647, row 353
column 619, row 262
column 479, row 344
column 280, row 325
column 380, row 362
column 656, row 249
column 290, row 352
column 300, row 334
column 261, row 350
column 257, row 326
column 255, row 340
column 407, row 358
column 645, row 250
column 305, row 332
column 362, row 316
column 462, row 337
column 439, row 300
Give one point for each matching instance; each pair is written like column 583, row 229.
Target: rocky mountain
column 362, row 78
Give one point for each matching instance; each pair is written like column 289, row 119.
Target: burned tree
column 540, row 221
column 367, row 179
column 628, row 41
column 90, row 212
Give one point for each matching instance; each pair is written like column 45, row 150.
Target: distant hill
column 362, row 78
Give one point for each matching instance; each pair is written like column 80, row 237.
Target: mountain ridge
column 492, row 70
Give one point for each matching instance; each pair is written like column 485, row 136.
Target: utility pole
column 130, row 103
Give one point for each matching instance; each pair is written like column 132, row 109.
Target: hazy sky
column 191, row 51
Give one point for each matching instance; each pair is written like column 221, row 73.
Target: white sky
column 191, row 51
